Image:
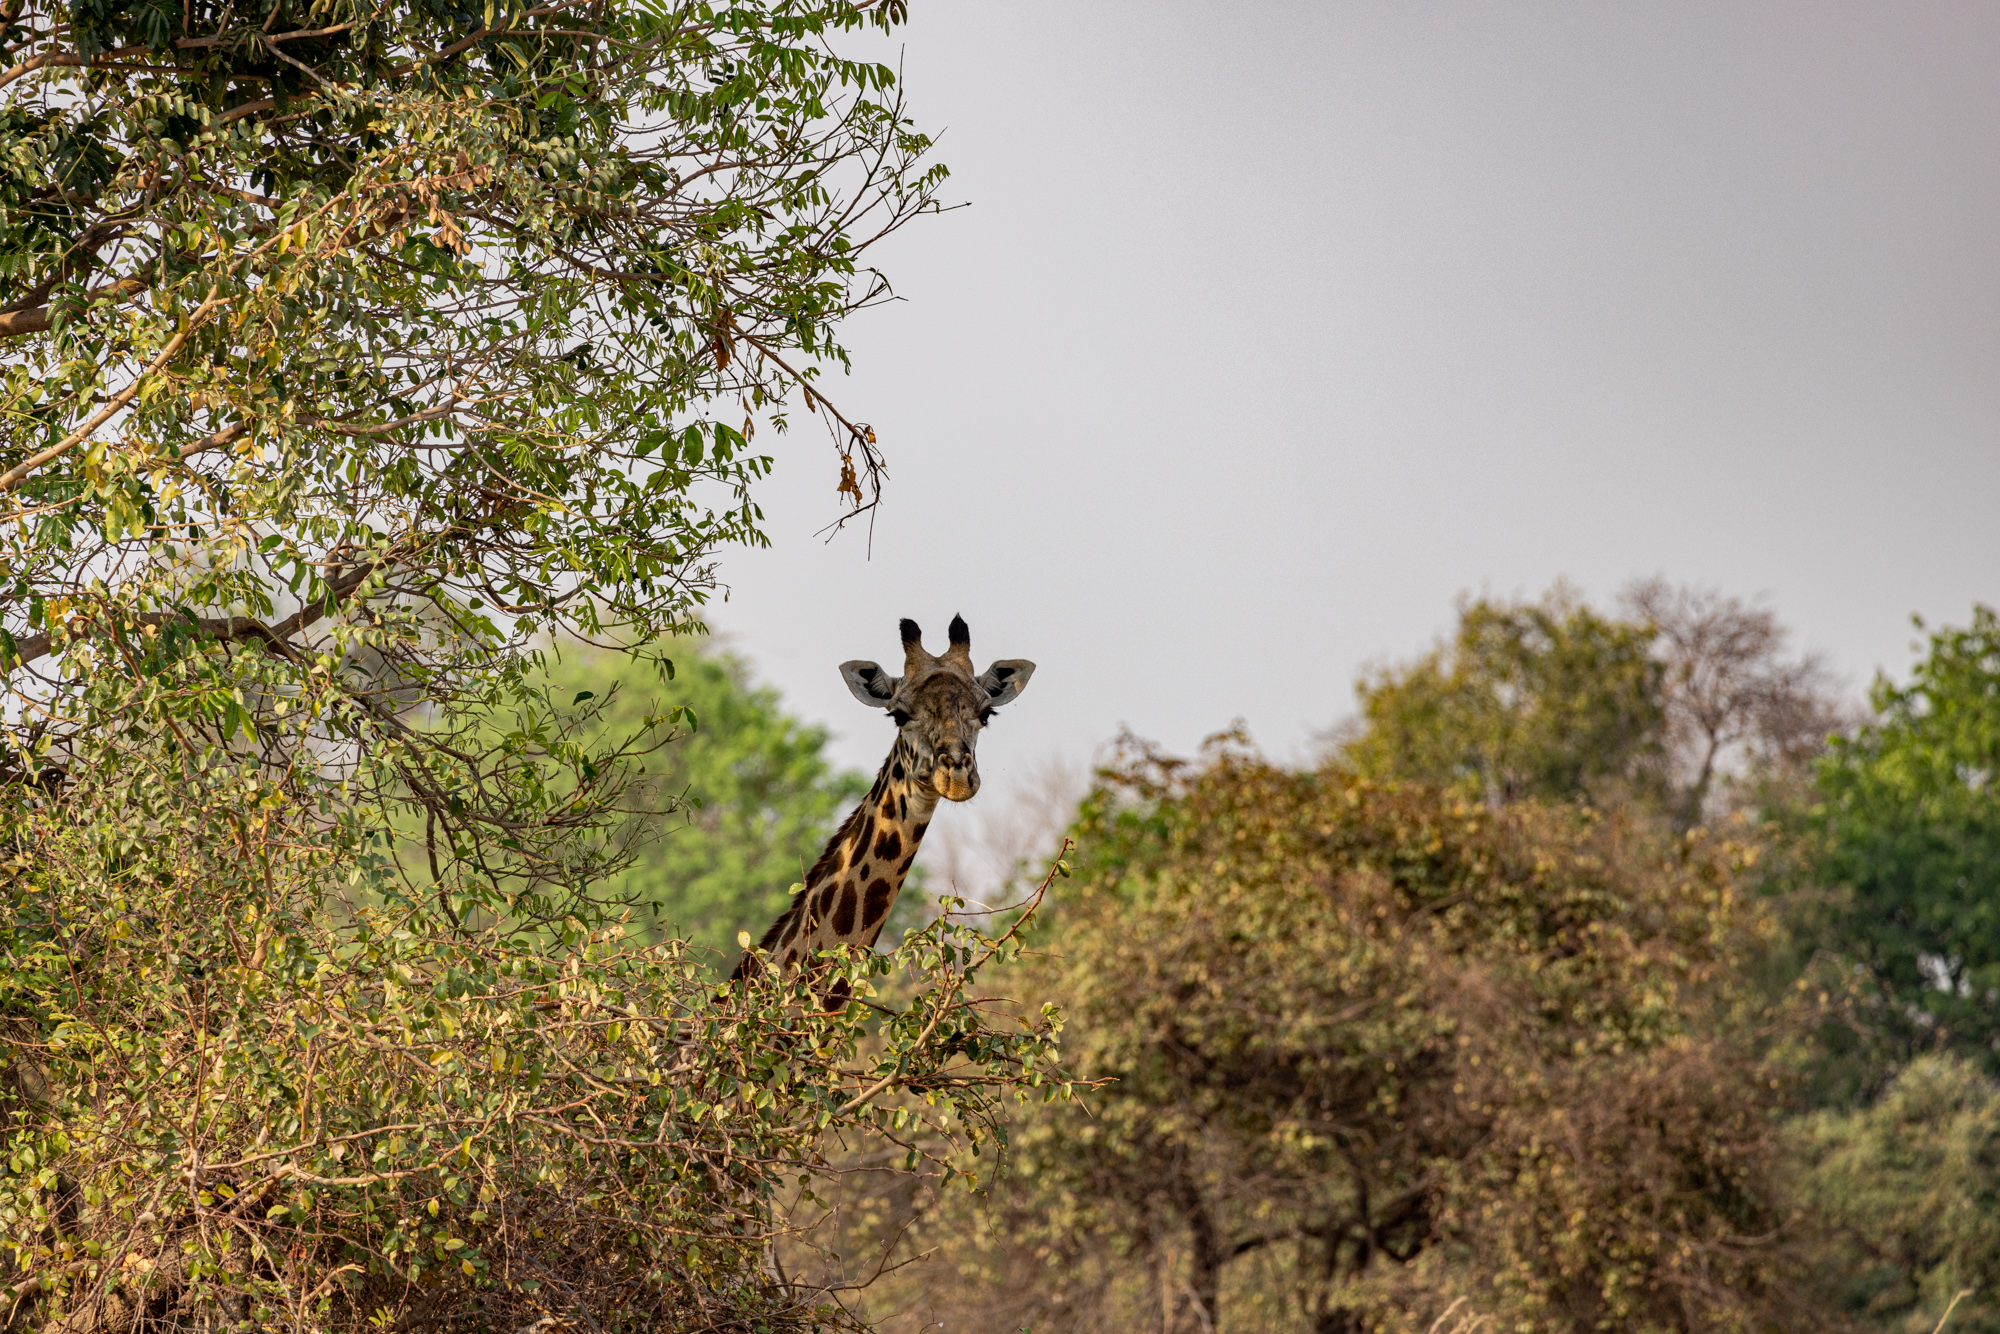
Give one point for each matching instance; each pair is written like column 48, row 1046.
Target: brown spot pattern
column 843, row 916
column 869, row 849
column 879, row 894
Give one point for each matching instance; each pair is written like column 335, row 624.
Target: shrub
column 1365, row 1050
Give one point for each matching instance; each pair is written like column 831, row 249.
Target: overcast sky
column 1271, row 328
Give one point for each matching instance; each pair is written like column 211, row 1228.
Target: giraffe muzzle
column 955, row 782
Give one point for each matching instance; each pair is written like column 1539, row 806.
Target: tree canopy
column 390, row 335
column 249, row 1083
column 1912, row 1184
column 1686, row 704
column 1910, row 827
column 1546, row 699
column 1368, row 1048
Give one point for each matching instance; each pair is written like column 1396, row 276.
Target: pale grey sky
column 1272, row 327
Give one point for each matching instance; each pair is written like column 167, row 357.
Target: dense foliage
column 248, row 1081
column 348, row 353
column 1368, row 1049
column 1911, row 1184
column 1546, row 699
column 1909, row 823
column 375, row 339
column 1683, row 707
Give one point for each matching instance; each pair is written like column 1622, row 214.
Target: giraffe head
column 940, row 704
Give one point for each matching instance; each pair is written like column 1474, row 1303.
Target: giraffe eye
column 902, row 718
column 987, row 715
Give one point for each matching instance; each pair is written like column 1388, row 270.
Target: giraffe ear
column 870, row 684
column 1004, row 680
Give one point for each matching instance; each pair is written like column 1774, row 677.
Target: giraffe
column 939, row 706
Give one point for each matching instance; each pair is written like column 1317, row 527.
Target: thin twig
column 1957, row 1297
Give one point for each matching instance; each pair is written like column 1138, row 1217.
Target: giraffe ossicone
column 939, row 705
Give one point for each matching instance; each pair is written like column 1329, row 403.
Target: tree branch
column 17, row 322
column 11, row 479
column 56, row 59
column 236, row 629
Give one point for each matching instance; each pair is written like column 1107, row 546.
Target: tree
column 1736, row 706
column 1546, row 699
column 1368, row 1049
column 394, row 336
column 351, row 352
column 1909, row 826
column 1555, row 701
column 750, row 790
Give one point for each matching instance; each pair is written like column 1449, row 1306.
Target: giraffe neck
column 851, row 888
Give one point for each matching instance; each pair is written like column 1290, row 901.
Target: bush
column 1367, row 1050
column 251, row 1078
